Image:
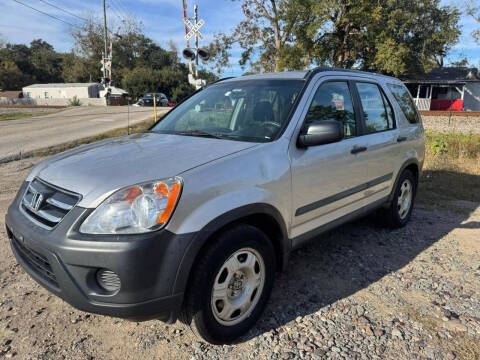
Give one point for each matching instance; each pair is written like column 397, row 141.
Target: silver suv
column 193, row 218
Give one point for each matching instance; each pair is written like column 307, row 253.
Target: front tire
column 230, row 285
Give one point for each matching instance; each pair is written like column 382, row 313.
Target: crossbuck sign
column 193, row 30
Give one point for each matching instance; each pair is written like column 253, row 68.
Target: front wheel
column 230, row 285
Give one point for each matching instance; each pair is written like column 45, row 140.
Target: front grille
column 37, row 262
column 46, row 205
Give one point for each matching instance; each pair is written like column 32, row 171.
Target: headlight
column 137, row 209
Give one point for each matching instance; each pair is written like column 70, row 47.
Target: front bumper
column 66, row 262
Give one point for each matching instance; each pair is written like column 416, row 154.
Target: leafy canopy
column 388, row 36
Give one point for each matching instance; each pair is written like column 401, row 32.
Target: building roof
column 446, row 75
column 61, row 85
column 11, row 94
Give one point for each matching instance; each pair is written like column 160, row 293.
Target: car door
column 328, row 180
column 380, row 138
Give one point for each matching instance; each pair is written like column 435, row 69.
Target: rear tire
column 399, row 210
column 230, row 285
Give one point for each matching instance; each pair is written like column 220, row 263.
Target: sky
column 162, row 21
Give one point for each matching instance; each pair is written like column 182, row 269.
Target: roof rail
column 319, row 69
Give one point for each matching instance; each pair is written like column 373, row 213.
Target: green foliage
column 181, row 92
column 172, row 83
column 266, row 36
column 388, row 36
column 140, row 65
column 11, row 77
column 473, row 10
column 439, row 146
column 454, row 145
column 75, row 101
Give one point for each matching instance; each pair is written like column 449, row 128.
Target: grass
column 21, row 115
column 143, row 126
column 451, row 171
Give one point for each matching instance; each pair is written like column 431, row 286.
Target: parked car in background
column 195, row 216
column 147, row 100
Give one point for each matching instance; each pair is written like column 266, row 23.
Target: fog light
column 108, row 280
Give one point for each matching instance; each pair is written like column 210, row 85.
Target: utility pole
column 195, row 10
column 105, row 43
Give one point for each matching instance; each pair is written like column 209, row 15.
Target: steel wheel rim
column 238, row 286
column 404, row 201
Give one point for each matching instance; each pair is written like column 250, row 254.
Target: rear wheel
column 400, row 209
column 230, row 285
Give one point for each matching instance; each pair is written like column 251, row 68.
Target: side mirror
column 322, row 132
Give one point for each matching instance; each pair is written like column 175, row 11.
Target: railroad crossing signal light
column 188, row 54
column 203, row 54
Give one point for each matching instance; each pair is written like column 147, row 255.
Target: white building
column 62, row 91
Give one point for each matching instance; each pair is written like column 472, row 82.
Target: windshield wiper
column 199, row 133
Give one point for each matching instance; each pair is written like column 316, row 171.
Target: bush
column 75, row 101
column 456, row 145
column 439, row 146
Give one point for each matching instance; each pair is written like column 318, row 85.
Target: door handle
column 401, row 138
column 357, row 149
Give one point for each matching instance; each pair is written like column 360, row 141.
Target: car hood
column 97, row 170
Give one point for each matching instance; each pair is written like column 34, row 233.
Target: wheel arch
column 413, row 166
column 263, row 216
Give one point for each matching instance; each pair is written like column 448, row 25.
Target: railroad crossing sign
column 193, row 29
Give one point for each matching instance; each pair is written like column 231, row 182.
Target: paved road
column 31, row 134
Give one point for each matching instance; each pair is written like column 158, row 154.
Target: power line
column 124, row 9
column 47, row 14
column 117, row 12
column 65, row 11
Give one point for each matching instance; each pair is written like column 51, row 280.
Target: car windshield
column 249, row 110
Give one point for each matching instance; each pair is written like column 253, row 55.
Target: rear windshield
column 405, row 101
column 250, row 110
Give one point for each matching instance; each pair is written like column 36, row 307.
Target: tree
column 473, row 10
column 77, row 69
column 460, row 63
column 389, row 36
column 11, row 77
column 267, row 30
column 172, row 83
column 46, row 62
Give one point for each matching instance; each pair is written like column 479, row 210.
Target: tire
column 398, row 212
column 211, row 314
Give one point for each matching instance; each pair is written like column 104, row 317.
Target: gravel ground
column 460, row 124
column 363, row 292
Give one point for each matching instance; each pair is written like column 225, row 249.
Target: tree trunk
column 278, row 45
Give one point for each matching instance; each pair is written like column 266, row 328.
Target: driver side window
column 332, row 101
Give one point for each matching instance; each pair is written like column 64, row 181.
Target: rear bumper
column 66, row 263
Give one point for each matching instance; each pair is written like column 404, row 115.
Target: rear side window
column 377, row 112
column 332, row 101
column 401, row 94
